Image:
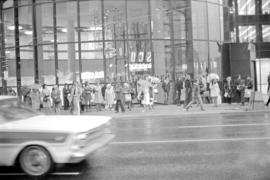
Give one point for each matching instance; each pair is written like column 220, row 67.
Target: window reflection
column 266, row 6
column 247, row 33
column 246, row 7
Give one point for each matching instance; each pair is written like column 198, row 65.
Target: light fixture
column 28, row 32
column 12, row 27
column 64, row 30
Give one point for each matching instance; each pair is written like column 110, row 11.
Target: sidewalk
column 167, row 110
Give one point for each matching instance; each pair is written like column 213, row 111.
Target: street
column 219, row 146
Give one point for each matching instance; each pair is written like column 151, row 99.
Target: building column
column 158, row 55
column 71, row 38
column 189, row 40
column 3, row 61
column 17, row 47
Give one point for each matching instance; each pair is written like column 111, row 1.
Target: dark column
column 208, row 44
column 235, row 20
column 151, row 37
column 124, row 51
column 35, row 47
column 127, row 36
column 189, row 39
column 4, row 64
column 55, row 44
column 172, row 43
column 17, row 47
column 103, row 41
column 258, row 12
column 79, row 39
column 115, row 47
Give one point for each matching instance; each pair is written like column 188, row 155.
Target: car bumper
column 80, row 155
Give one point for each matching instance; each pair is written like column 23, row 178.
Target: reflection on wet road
column 216, row 146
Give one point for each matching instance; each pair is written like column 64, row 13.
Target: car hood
column 74, row 124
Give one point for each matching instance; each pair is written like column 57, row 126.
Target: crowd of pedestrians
column 210, row 89
column 119, row 96
column 78, row 98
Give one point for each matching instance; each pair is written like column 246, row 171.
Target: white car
column 36, row 142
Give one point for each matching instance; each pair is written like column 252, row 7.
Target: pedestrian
column 179, row 87
column 268, row 81
column 45, row 96
column 56, row 99
column 228, row 90
column 188, row 90
column 249, row 92
column 166, row 89
column 127, row 95
column 36, row 99
column 66, row 93
column 237, row 92
column 214, row 91
column 119, row 97
column 98, row 99
column 196, row 94
column 75, row 94
column 86, row 96
column 109, row 96
column 242, row 88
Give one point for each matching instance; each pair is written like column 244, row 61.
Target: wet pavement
column 218, row 146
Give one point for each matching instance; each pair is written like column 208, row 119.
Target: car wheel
column 35, row 161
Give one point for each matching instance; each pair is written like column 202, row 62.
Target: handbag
column 127, row 97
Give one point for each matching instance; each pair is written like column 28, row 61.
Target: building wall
column 178, row 32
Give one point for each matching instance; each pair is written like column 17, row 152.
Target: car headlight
column 79, row 141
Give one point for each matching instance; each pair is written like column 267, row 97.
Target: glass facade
column 112, row 39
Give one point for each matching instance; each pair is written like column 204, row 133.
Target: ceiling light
column 12, row 27
column 28, row 32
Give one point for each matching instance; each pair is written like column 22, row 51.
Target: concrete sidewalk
column 167, row 110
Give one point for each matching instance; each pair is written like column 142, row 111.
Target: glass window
column 8, row 3
column 246, row 7
column 138, row 22
column 199, row 20
column 10, row 57
column 214, row 21
column 68, row 62
column 48, row 64
column 266, row 6
column 247, row 33
column 25, row 25
column 44, row 23
column 114, row 14
column 266, row 33
column 200, row 56
column 92, row 61
column 66, row 17
column 9, row 27
column 27, row 65
column 90, row 17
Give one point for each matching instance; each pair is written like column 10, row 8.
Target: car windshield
column 12, row 110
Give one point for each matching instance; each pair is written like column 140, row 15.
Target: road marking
column 224, row 125
column 54, row 174
column 191, row 141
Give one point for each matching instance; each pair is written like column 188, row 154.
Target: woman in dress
column 109, row 96
column 214, row 91
column 45, row 96
column 75, row 95
column 98, row 99
column 35, row 97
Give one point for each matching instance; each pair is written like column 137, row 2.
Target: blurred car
column 37, row 142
